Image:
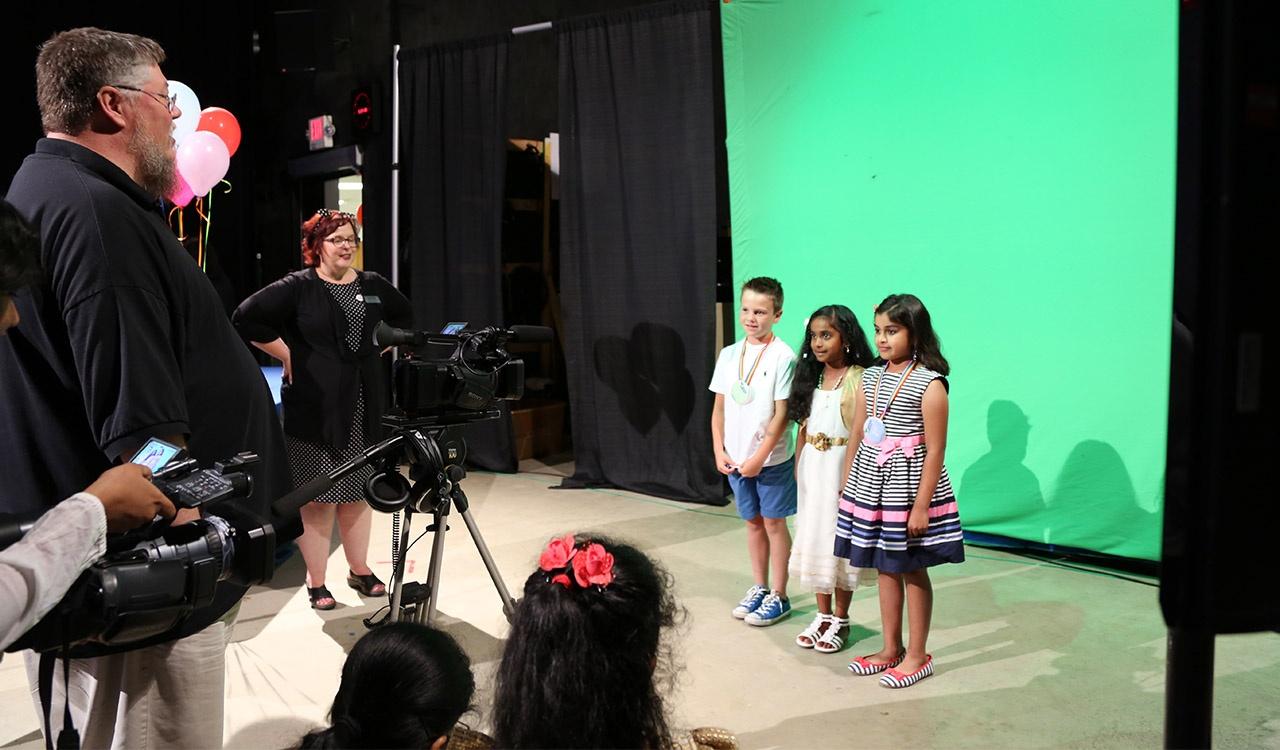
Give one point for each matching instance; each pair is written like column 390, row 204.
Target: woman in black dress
column 319, row 323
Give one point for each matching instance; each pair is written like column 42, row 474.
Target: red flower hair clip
column 592, row 564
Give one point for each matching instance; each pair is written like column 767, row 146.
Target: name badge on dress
column 371, row 299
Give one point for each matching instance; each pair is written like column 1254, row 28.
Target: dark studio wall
column 356, row 52
column 211, row 50
column 231, row 54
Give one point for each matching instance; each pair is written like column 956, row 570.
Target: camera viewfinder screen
column 453, row 329
column 155, row 454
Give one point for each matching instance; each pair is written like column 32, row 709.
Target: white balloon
column 189, row 104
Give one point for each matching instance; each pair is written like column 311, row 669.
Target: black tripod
column 416, row 602
column 435, row 467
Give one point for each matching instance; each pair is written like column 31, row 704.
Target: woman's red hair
column 322, row 224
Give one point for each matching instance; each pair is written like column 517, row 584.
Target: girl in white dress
column 834, row 354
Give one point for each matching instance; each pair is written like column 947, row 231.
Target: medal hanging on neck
column 874, row 430
column 742, row 392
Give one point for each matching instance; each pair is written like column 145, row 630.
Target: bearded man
column 123, row 339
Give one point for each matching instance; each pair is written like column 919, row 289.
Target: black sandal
column 318, row 593
column 365, row 584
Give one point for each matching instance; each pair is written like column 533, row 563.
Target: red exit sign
column 320, row 132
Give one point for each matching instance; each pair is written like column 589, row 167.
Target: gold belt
column 823, row 442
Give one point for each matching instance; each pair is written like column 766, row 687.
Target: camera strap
column 47, row 662
column 68, row 738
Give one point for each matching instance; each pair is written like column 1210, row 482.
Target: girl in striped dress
column 897, row 509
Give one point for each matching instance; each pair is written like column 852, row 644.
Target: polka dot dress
column 308, row 460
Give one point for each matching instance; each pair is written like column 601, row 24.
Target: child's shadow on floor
column 859, row 633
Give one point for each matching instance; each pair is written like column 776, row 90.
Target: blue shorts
column 771, row 493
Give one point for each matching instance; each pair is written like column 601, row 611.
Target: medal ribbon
column 875, row 397
column 742, row 356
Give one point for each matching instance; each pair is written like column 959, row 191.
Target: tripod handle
column 292, row 502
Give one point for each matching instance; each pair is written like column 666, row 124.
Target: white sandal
column 810, row 635
column 831, row 641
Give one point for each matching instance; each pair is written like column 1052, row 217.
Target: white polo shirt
column 744, row 424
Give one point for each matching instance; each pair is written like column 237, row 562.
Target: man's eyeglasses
column 343, row 241
column 170, row 102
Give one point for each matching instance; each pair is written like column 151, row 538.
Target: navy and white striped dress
column 871, row 529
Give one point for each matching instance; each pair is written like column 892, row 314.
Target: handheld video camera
column 151, row 579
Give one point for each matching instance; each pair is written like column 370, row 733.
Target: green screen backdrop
column 1012, row 164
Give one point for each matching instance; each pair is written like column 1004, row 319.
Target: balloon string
column 228, row 184
column 199, row 234
column 178, row 230
column 208, row 224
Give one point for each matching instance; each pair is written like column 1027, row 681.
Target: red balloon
column 360, row 214
column 223, row 124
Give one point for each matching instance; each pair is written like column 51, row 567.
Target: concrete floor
column 1028, row 654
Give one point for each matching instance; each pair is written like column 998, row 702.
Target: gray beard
column 156, row 173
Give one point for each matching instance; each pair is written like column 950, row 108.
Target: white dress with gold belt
column 821, row 459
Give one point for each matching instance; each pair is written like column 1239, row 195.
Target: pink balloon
column 182, row 193
column 203, row 160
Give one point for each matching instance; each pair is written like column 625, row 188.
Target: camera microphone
column 532, row 334
column 14, row 527
column 384, row 336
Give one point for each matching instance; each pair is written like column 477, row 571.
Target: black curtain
column 638, row 246
column 452, row 168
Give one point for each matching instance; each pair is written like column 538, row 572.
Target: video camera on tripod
column 151, row 579
column 465, row 384
column 432, row 395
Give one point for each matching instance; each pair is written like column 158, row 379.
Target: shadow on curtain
column 638, row 246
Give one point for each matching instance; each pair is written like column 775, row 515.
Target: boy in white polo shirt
column 754, row 445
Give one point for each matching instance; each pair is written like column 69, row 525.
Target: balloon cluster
column 206, row 140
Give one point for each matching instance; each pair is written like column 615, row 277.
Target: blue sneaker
column 772, row 609
column 755, row 595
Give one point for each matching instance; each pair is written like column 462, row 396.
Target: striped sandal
column 808, row 638
column 895, row 679
column 861, row 666
column 831, row 640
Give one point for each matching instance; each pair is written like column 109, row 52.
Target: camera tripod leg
column 508, row 604
column 426, row 615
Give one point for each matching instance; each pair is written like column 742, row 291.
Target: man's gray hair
column 74, row 64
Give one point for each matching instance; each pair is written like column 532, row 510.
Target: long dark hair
column 808, row 368
column 404, row 685
column 579, row 668
column 908, row 311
